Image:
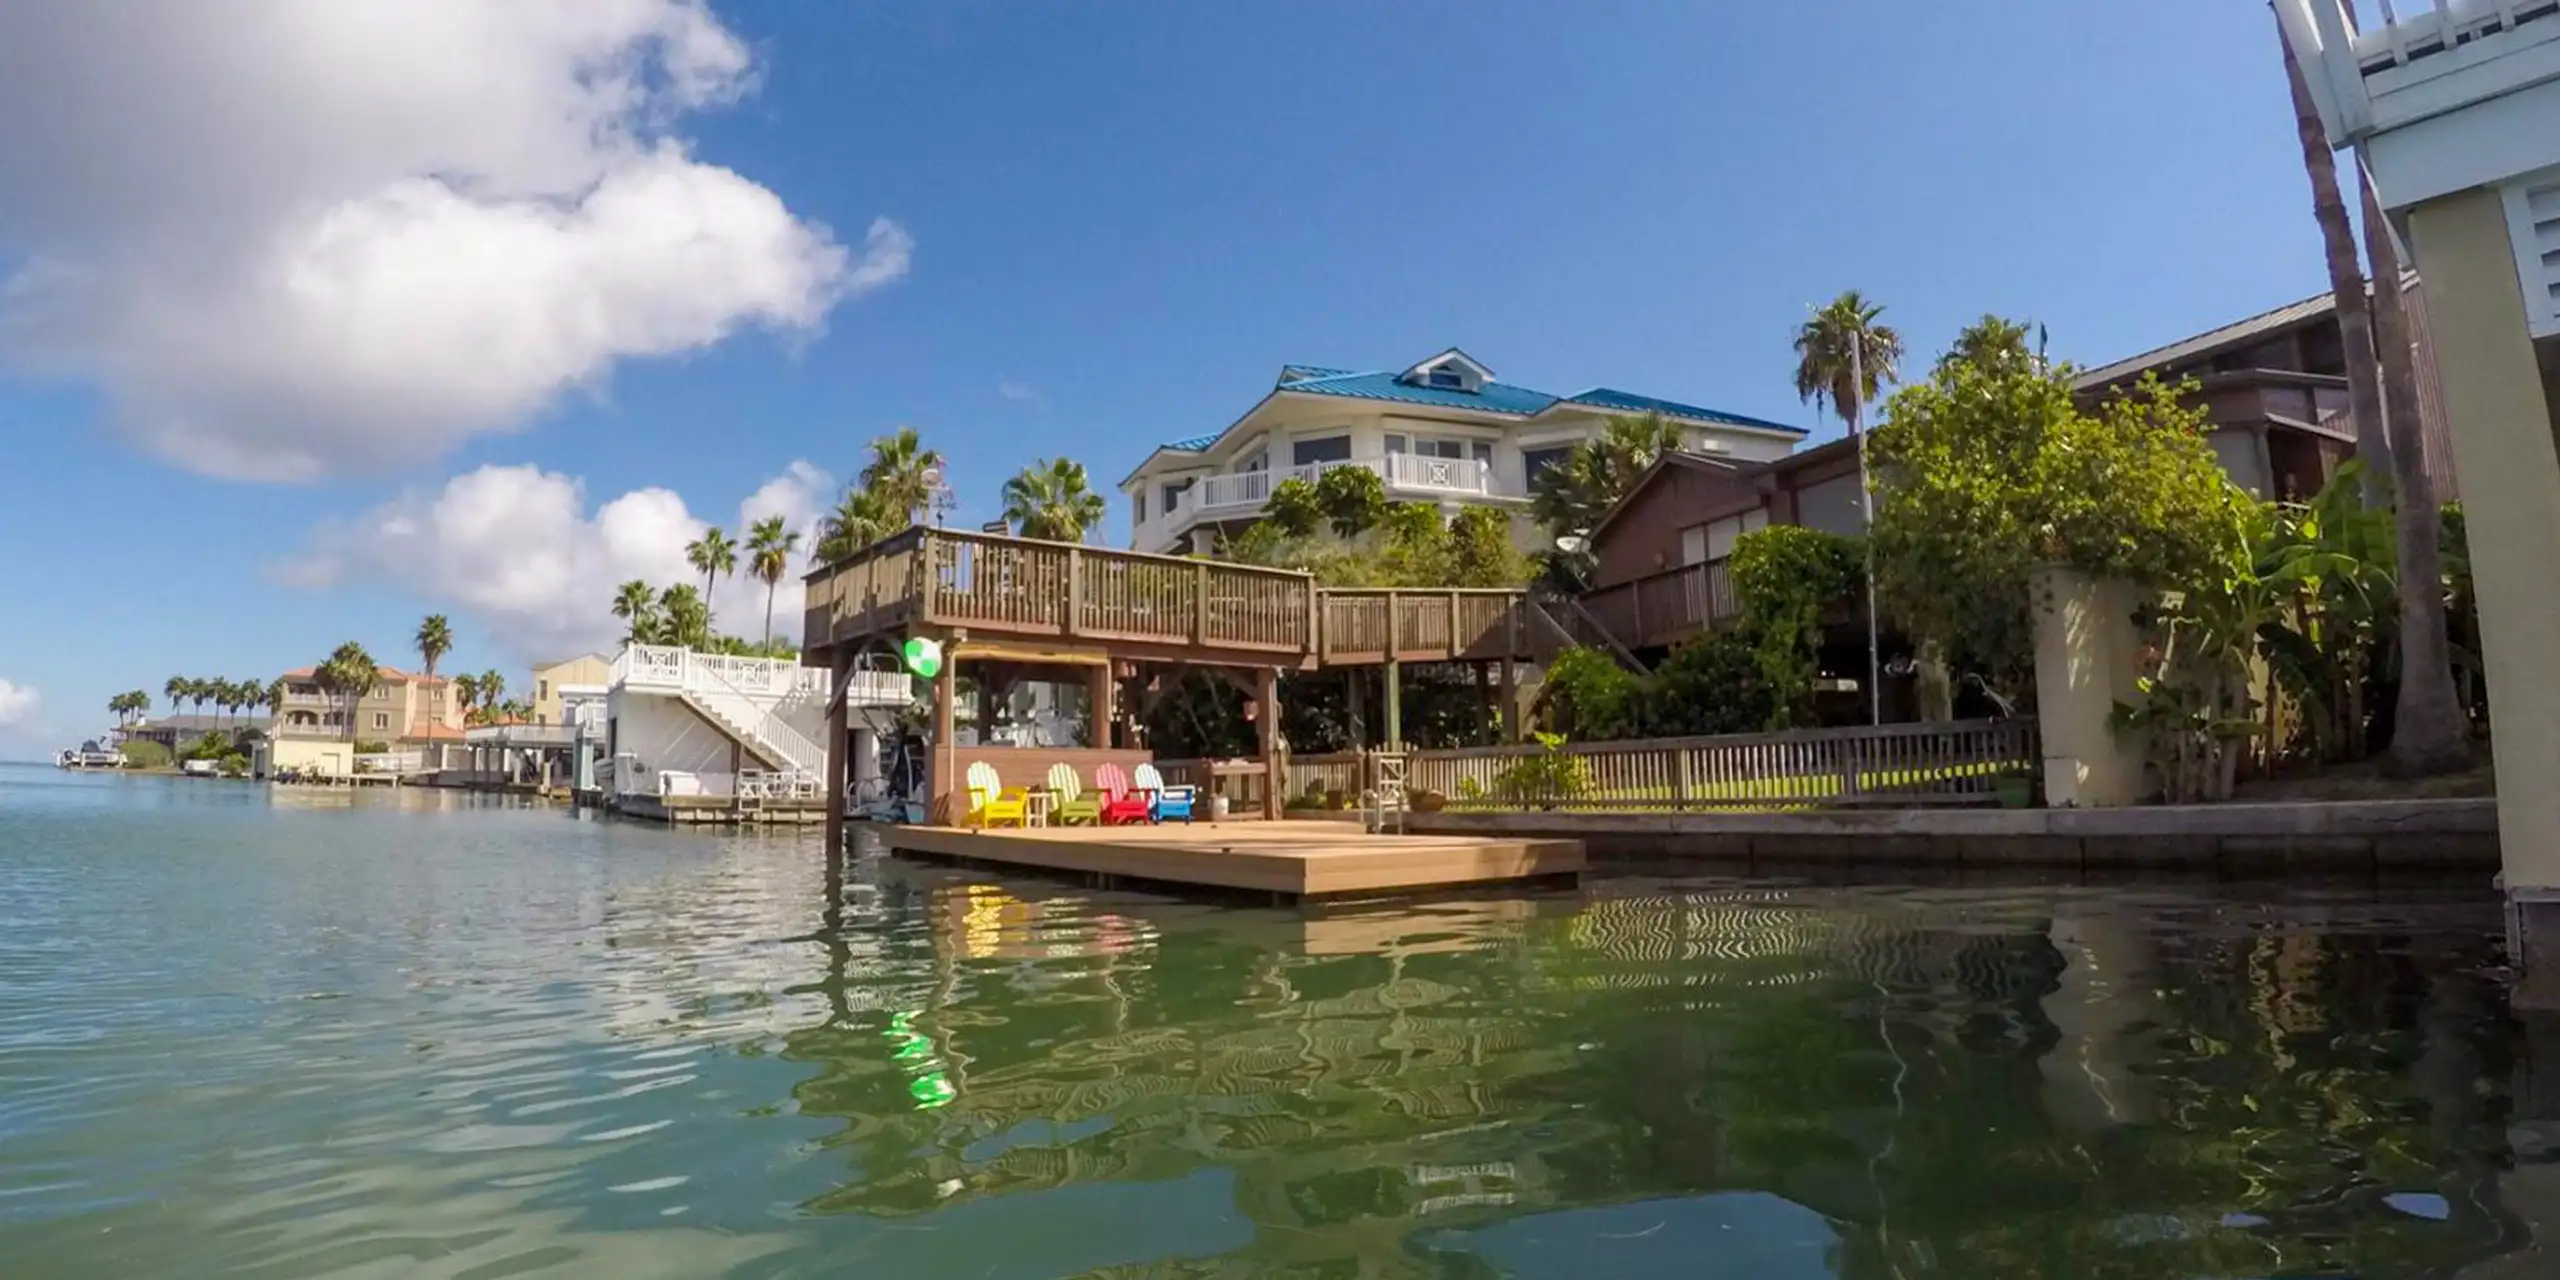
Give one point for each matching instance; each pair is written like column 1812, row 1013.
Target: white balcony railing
column 673, row 669
column 1408, row 475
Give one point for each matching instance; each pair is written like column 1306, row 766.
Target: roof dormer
column 1451, row 370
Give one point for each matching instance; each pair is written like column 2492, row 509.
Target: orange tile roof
column 382, row 673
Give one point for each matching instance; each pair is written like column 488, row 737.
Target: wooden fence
column 1893, row 765
column 1664, row 608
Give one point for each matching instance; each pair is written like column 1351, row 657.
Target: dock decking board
column 1297, row 859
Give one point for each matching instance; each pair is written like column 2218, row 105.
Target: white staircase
column 741, row 697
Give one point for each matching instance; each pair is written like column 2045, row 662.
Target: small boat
column 201, row 768
column 92, row 754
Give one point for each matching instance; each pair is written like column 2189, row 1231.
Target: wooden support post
column 1355, row 683
column 1200, row 603
column 839, row 756
column 945, row 790
column 1395, row 706
column 1484, row 699
column 1510, row 672
column 1072, row 623
column 1266, row 721
column 1098, row 690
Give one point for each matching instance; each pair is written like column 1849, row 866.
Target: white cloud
column 1018, row 391
column 18, row 703
column 516, row 551
column 295, row 237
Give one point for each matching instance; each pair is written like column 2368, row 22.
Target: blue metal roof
column 1492, row 397
column 1630, row 402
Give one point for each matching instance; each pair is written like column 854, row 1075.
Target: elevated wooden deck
column 1144, row 607
column 1296, row 859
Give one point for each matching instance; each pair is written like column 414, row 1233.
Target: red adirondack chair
column 1122, row 805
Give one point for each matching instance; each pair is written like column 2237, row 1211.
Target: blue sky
column 1110, row 225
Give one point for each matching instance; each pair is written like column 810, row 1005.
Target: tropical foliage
column 433, row 640
column 348, row 675
column 769, row 546
column 1052, row 500
column 1571, row 497
column 711, row 555
column 125, row 706
column 896, row 488
column 1845, row 356
column 1985, row 474
column 1404, row 545
column 1784, row 577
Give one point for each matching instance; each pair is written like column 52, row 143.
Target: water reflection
column 1804, row 1081
column 423, row 1034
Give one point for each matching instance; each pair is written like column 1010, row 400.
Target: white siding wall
column 667, row 736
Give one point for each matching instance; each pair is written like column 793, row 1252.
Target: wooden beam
column 839, row 754
column 1097, row 689
column 941, row 788
column 1267, row 728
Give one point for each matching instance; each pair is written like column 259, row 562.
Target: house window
column 1448, row 379
column 381, row 719
column 1397, row 443
column 1138, row 504
column 1258, row 460
column 1534, row 462
column 541, row 689
column 1173, row 494
column 1714, row 540
column 1307, row 453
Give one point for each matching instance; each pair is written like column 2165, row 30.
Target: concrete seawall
column 2245, row 839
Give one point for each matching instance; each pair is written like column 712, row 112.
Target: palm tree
column 466, row 694
column 769, row 547
column 686, row 618
column 861, row 517
column 1991, row 342
column 1844, row 357
column 904, row 473
column 1052, row 500
column 433, row 641
column 2346, row 281
column 349, row 674
column 271, row 696
column 712, row 554
column 175, row 691
column 1575, row 493
column 218, row 692
column 636, row 604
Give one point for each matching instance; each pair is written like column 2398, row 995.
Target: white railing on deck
column 674, row 669
column 1414, row 471
column 1957, row 762
column 707, row 686
column 390, row 761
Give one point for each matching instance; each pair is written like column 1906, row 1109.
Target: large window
column 1535, row 462
column 1173, row 494
column 1714, row 540
column 1307, row 453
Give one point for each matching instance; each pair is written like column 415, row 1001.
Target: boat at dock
column 92, row 754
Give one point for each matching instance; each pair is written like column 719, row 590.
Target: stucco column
column 2087, row 660
column 2503, row 449
column 2505, row 454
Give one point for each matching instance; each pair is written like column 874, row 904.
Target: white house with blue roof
column 1444, row 431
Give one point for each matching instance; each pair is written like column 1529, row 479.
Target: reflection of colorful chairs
column 1120, row 805
column 1171, row 802
column 1073, row 805
column 990, row 804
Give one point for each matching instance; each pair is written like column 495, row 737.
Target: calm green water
column 284, row 1033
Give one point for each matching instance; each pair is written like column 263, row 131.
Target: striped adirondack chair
column 1073, row 805
column 1171, row 802
column 1120, row 805
column 990, row 803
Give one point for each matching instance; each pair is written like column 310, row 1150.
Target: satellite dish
column 1570, row 542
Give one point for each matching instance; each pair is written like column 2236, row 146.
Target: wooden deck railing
column 1363, row 626
column 1901, row 764
column 999, row 585
column 1663, row 608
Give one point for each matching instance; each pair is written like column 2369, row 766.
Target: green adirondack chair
column 1072, row 805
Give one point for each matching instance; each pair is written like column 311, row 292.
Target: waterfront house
column 2276, row 387
column 554, row 683
column 1445, row 431
column 686, row 729
column 180, row 732
column 416, row 721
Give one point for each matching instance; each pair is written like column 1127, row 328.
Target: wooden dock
column 1295, row 859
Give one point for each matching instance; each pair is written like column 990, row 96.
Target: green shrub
column 1588, row 695
column 1784, row 577
column 1549, row 778
column 1716, row 683
column 143, row 753
column 1353, row 499
column 235, row 765
column 212, row 746
column 371, row 746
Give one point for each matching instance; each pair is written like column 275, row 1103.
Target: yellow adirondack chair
column 1073, row 805
column 990, row 803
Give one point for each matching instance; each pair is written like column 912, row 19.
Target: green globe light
column 922, row 656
